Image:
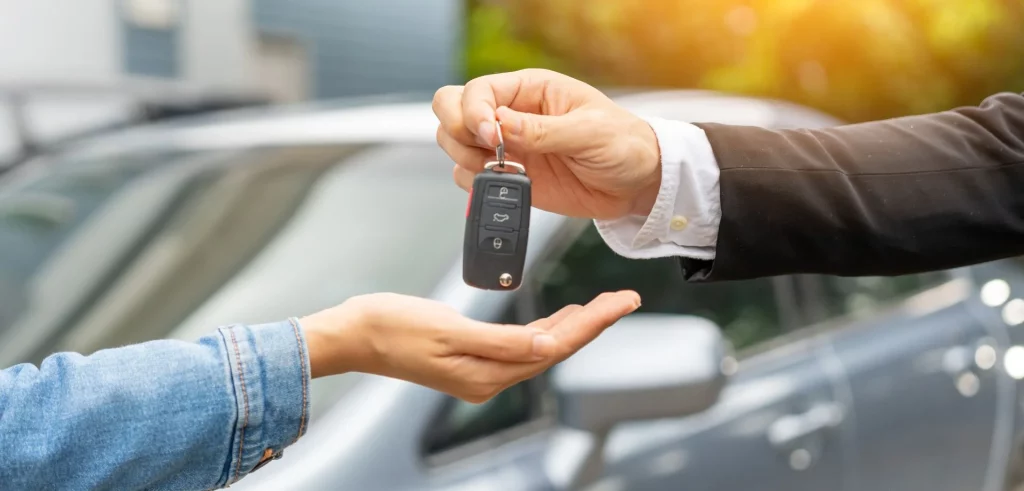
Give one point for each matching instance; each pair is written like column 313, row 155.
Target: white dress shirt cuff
column 685, row 217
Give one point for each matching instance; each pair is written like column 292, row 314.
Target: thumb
column 535, row 133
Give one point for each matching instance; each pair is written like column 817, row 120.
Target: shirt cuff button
column 678, row 223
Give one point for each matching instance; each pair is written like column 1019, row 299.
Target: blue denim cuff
column 270, row 372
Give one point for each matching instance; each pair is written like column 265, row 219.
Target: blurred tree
column 858, row 60
column 492, row 47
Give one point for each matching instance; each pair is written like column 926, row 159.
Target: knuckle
column 438, row 101
column 443, row 98
column 536, row 73
column 604, row 296
column 473, row 84
column 444, row 91
column 502, row 351
column 537, row 133
column 444, row 341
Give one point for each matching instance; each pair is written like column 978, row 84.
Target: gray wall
column 47, row 40
column 362, row 47
column 216, row 47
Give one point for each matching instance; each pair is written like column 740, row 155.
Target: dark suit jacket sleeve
column 890, row 197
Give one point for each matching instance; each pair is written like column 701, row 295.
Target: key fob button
column 500, row 216
column 497, row 242
column 503, row 192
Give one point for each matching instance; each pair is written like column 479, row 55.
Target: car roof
column 398, row 119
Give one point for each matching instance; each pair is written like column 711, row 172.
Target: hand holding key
column 497, row 224
column 585, row 155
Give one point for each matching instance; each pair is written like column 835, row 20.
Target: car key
column 497, row 225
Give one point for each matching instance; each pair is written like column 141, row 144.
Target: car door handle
column 790, row 429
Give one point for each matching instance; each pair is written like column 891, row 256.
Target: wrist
column 648, row 161
column 336, row 340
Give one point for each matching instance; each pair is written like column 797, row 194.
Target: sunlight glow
column 1013, row 312
column 1013, row 361
column 995, row 293
column 985, row 357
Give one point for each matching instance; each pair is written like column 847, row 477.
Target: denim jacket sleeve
column 158, row 415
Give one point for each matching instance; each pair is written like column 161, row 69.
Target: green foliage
column 492, row 47
column 859, row 60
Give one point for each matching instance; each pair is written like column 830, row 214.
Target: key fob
column 497, row 227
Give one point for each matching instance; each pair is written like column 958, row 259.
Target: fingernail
column 543, row 345
column 485, row 133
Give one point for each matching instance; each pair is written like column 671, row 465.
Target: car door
column 920, row 374
column 778, row 424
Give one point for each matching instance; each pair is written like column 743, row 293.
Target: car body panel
column 920, row 402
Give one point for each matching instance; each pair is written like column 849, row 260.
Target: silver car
column 790, row 383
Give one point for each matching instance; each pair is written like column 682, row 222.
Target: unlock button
column 500, row 216
column 497, row 242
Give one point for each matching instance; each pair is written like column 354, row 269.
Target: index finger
column 582, row 326
column 481, row 98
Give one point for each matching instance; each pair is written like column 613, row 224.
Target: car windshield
column 104, row 252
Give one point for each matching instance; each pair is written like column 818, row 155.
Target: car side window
column 747, row 311
column 40, row 214
column 858, row 297
column 461, row 422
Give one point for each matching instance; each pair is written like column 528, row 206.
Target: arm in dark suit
column 890, row 197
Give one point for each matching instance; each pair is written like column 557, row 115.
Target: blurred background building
column 92, row 62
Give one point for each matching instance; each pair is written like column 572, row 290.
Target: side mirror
column 646, row 366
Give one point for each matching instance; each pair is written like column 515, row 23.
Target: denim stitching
column 245, row 398
column 302, row 367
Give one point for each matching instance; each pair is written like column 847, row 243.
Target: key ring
column 499, row 151
column 518, row 167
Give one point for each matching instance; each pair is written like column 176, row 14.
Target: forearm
column 883, row 198
column 158, row 415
